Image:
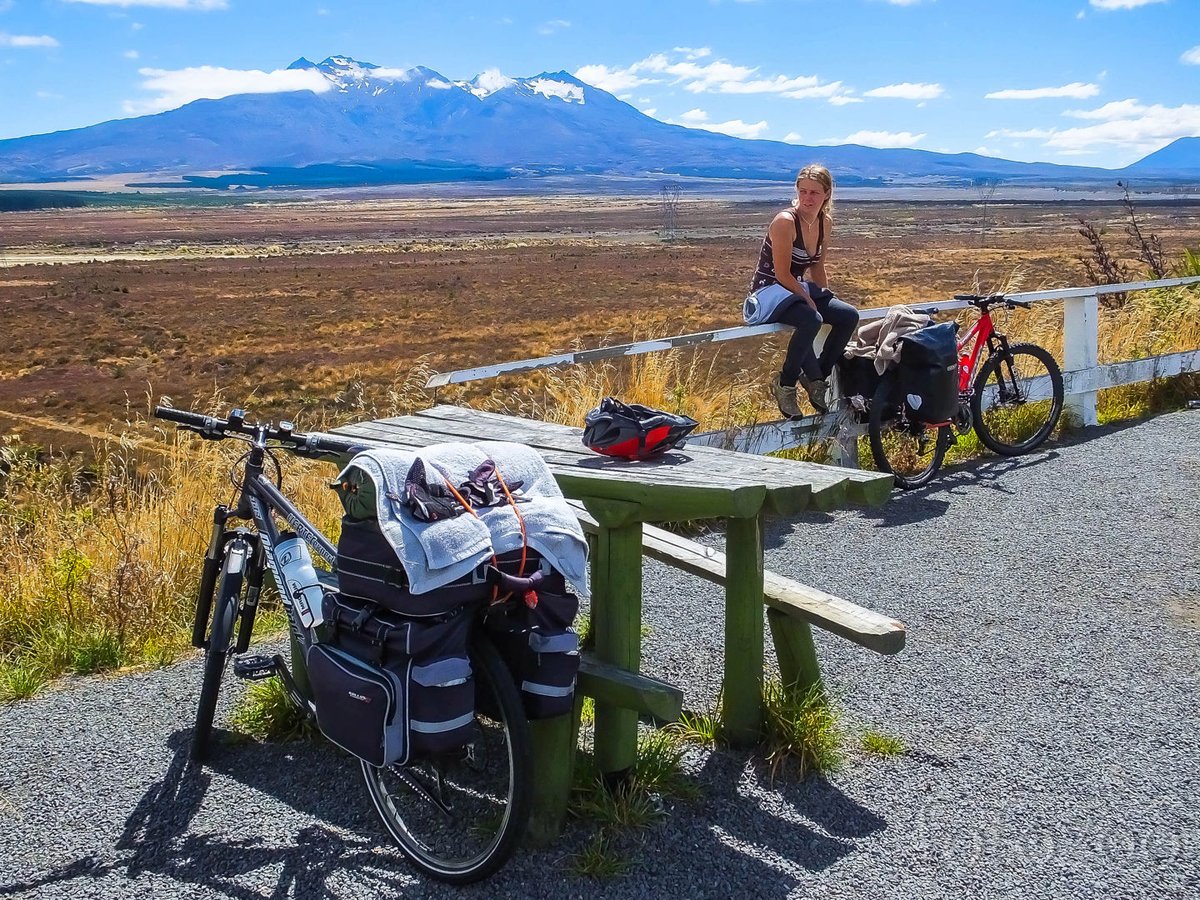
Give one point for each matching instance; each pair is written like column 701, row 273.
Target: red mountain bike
column 1013, row 401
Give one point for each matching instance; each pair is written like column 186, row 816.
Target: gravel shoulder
column 1047, row 695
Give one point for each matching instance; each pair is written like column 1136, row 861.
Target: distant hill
column 373, row 127
column 1180, row 157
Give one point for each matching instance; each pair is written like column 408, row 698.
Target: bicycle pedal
column 254, row 668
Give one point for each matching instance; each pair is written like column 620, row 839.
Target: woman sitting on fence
column 795, row 247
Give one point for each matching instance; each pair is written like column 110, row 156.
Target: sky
column 1085, row 82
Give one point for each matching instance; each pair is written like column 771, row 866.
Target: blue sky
column 1090, row 82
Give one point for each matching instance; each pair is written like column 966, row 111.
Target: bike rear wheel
column 458, row 817
column 912, row 451
column 217, row 648
column 1012, row 413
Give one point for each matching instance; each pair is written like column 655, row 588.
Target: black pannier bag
column 539, row 646
column 370, row 570
column 857, row 377
column 927, row 373
column 387, row 687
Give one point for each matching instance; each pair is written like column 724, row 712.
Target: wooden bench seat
column 855, row 623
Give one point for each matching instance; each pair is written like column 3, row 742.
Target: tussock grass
column 698, row 728
column 266, row 713
column 638, row 801
column 877, row 743
column 601, row 858
column 100, row 562
column 803, row 731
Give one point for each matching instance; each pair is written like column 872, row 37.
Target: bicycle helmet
column 632, row 431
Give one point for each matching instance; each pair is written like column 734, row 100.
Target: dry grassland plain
column 316, row 309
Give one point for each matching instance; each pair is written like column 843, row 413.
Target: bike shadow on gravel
column 768, row 832
column 161, row 836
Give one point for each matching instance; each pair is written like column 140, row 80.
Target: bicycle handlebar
column 985, row 301
column 216, row 429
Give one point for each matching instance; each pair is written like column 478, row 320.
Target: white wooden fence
column 1083, row 375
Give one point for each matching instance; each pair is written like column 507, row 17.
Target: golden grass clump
column 99, row 564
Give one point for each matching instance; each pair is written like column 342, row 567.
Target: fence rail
column 1083, row 375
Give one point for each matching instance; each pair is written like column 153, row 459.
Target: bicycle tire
column 900, row 445
column 216, row 651
column 1010, row 411
column 491, row 784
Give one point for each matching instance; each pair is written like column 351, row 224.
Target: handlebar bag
column 539, row 646
column 387, row 688
column 927, row 373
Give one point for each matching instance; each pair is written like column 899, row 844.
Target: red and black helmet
column 633, row 431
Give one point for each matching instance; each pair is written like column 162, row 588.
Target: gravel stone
column 1047, row 696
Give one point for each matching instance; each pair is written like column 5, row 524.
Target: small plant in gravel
column 20, row 680
column 266, row 713
column 698, row 728
column 638, row 801
column 802, row 729
column 879, row 744
column 600, row 858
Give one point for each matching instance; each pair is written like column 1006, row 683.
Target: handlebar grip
column 183, row 417
column 1024, row 304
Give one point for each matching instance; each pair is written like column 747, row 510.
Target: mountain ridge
column 549, row 123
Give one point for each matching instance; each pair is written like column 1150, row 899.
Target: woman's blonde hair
column 821, row 175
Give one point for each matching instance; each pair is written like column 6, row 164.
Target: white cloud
column 694, row 52
column 843, row 99
column 907, row 90
column 1123, row 4
column 552, row 26
column 1076, row 90
column 1127, row 125
column 718, row 76
column 649, row 112
column 27, row 40
column 438, row 85
column 880, row 139
column 201, row 5
column 611, row 80
column 793, row 137
column 1020, row 135
column 131, row 54
column 180, row 86
column 1191, row 57
column 902, row 2
column 698, row 118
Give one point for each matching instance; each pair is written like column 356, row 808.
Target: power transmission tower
column 669, row 200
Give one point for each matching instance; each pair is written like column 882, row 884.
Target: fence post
column 1081, row 322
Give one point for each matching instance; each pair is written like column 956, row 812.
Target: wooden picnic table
column 694, row 483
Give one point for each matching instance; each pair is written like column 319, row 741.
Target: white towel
column 437, row 553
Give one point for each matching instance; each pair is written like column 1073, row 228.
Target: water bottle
column 300, row 579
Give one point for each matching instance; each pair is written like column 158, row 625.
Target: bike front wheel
column 1018, row 399
column 220, row 641
column 912, row 451
column 458, row 817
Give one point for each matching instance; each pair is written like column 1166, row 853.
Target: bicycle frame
column 982, row 333
column 257, row 500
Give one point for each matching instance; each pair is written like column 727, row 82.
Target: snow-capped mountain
column 381, row 119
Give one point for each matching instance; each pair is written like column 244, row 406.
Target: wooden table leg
column 617, row 626
column 742, row 694
column 553, row 766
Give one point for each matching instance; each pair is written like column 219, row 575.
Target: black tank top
column 801, row 258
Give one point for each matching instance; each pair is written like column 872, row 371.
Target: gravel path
column 1047, row 693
